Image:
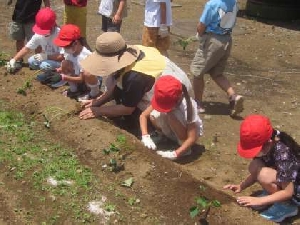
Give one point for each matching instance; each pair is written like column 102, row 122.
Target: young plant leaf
column 194, row 211
column 128, row 182
column 202, row 202
column 216, row 203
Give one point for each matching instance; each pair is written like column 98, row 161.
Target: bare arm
column 24, row 51
column 201, row 28
column 56, row 57
column 107, row 111
column 143, row 120
column 118, row 16
column 190, row 140
column 47, row 3
column 163, row 13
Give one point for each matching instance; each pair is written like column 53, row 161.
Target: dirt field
column 263, row 67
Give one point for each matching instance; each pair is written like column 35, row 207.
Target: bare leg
column 224, row 84
column 198, row 85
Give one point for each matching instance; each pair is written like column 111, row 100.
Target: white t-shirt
column 152, row 13
column 76, row 59
column 48, row 47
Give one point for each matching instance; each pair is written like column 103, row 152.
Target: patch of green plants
column 203, row 206
column 29, row 157
column 109, row 207
column 3, row 58
column 184, row 42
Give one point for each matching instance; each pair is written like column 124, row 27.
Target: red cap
column 167, row 91
column 255, row 130
column 44, row 21
column 66, row 35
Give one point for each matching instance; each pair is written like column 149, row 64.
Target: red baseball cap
column 44, row 21
column 255, row 130
column 67, row 34
column 167, row 91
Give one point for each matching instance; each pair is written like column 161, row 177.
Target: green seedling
column 203, row 205
column 22, row 90
column 3, row 58
column 111, row 148
column 128, row 182
column 121, row 139
column 133, row 201
column 184, row 42
column 110, row 207
column 114, row 166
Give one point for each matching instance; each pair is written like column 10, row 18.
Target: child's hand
column 86, row 103
column 235, row 188
column 250, row 201
column 59, row 70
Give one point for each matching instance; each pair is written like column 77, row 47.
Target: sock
column 95, row 90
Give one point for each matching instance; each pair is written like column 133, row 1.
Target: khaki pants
column 77, row 16
column 212, row 54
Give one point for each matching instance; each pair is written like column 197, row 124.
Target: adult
column 69, row 38
column 214, row 31
column 112, row 13
column 131, row 71
column 158, row 19
column 45, row 30
column 20, row 29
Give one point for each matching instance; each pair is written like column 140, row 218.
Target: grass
column 30, row 158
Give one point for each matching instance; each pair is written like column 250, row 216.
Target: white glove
column 11, row 66
column 163, row 31
column 40, row 57
column 168, row 154
column 148, row 142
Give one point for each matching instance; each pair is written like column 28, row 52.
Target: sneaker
column 236, row 105
column 280, row 211
column 84, row 97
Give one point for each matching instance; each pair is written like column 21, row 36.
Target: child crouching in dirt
column 275, row 166
column 45, row 30
column 174, row 113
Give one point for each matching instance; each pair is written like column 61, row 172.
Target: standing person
column 174, row 113
column 113, row 12
column 275, row 166
column 45, row 30
column 131, row 71
column 214, row 31
column 158, row 19
column 69, row 38
column 76, row 13
column 20, row 29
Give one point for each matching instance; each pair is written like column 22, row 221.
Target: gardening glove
column 11, row 66
column 53, row 79
column 148, row 142
column 163, row 31
column 40, row 57
column 168, row 154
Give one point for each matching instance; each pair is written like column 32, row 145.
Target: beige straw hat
column 111, row 55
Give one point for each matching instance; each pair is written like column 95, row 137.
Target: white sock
column 94, row 89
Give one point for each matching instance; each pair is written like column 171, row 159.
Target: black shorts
column 109, row 26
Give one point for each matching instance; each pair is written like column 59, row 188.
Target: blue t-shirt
column 219, row 16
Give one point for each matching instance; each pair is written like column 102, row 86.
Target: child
column 214, row 31
column 174, row 113
column 20, row 29
column 275, row 165
column 45, row 30
column 69, row 38
column 158, row 19
column 75, row 13
column 113, row 12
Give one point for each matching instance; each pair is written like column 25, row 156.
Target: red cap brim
column 248, row 153
column 160, row 108
column 61, row 43
column 38, row 30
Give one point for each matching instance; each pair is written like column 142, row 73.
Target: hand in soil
column 235, row 188
column 87, row 114
column 86, row 103
column 250, row 201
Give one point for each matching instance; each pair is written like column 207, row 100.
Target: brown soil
column 263, row 67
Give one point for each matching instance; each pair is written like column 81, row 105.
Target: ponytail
column 288, row 141
column 190, row 111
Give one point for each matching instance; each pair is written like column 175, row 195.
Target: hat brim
column 248, row 153
column 38, row 30
column 100, row 65
column 159, row 107
column 61, row 43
